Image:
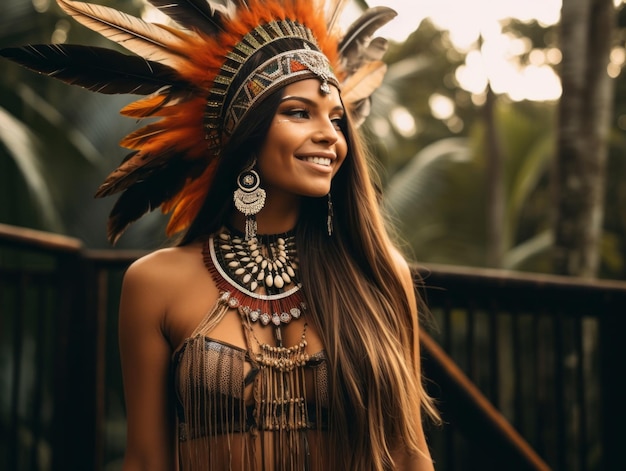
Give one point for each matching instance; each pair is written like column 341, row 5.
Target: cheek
column 273, row 148
column 275, row 162
column 283, row 140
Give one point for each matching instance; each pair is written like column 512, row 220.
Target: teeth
column 318, row 160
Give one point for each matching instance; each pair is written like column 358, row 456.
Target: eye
column 339, row 123
column 300, row 113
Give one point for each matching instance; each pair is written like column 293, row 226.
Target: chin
column 317, row 193
column 310, row 191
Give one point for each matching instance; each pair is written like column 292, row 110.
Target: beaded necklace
column 258, row 277
column 288, row 400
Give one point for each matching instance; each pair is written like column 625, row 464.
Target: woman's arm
column 145, row 355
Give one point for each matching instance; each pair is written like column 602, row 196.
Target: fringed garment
column 262, row 408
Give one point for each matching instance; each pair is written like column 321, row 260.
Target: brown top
column 249, row 409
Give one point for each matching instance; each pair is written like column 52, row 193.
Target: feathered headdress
column 186, row 73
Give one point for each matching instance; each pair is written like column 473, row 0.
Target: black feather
column 196, row 15
column 133, row 169
column 96, row 69
column 376, row 49
column 359, row 34
column 148, row 194
column 129, row 156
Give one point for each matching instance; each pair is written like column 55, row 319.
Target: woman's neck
column 277, row 216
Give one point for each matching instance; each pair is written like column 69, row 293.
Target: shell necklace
column 258, row 276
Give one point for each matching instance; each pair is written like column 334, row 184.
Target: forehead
column 310, row 89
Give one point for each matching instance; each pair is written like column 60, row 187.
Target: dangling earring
column 329, row 219
column 249, row 198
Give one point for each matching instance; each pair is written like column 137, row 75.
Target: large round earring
column 249, row 198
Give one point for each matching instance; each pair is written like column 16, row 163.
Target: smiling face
column 304, row 146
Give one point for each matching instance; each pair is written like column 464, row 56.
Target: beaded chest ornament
column 259, row 276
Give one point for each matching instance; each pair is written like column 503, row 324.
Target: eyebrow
column 309, row 102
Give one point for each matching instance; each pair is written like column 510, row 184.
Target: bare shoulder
column 163, row 267
column 154, row 280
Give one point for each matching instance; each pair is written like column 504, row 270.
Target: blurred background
column 499, row 139
column 465, row 130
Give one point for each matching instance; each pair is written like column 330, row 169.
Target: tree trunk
column 495, row 185
column 584, row 121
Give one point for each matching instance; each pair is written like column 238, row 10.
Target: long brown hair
column 364, row 318
column 356, row 300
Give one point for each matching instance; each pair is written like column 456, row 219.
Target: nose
column 326, row 133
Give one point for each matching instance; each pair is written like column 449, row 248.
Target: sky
column 466, row 19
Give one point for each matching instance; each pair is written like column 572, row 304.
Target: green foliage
column 58, row 143
column 538, row 36
column 439, row 198
column 436, row 186
column 423, row 65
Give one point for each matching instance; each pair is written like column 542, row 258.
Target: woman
column 281, row 332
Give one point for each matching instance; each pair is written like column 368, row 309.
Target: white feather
column 363, row 82
column 150, row 41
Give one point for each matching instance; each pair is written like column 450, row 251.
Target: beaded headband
column 280, row 70
column 186, row 71
column 295, row 64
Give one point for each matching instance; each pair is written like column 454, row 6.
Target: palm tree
column 587, row 28
column 439, row 199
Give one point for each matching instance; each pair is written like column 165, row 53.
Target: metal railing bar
column 470, row 344
column 40, row 342
column 506, row 298
column 112, row 259
column 492, row 417
column 494, row 370
column 535, row 397
column 101, row 294
column 16, row 377
column 581, row 400
column 575, row 296
column 559, row 368
column 518, row 408
column 35, row 240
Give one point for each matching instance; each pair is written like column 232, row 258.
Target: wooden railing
column 546, row 351
column 524, row 367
